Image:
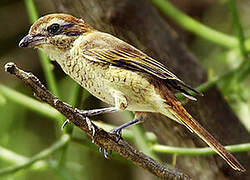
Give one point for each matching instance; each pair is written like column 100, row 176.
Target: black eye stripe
column 54, row 28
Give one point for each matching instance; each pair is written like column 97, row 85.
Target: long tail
column 175, row 107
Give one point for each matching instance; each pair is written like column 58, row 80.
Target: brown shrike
column 116, row 73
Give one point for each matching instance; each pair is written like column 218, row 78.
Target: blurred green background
column 26, row 132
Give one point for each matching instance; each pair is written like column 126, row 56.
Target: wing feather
column 137, row 61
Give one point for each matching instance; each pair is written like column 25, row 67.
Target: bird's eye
column 54, row 28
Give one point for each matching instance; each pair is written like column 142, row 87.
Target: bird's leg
column 137, row 119
column 120, row 104
column 118, row 131
column 94, row 112
column 89, row 113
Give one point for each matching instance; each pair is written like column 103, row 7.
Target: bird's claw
column 90, row 126
column 105, row 152
column 117, row 132
column 64, row 124
column 86, row 114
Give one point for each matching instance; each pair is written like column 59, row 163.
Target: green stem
column 45, row 62
column 11, row 157
column 14, row 158
column 48, row 73
column 42, row 155
column 238, row 27
column 245, row 71
column 32, row 12
column 69, row 128
column 194, row 26
column 207, row 85
column 243, row 49
column 30, row 103
column 2, row 100
column 198, row 151
column 73, row 102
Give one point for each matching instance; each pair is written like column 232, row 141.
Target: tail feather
column 175, row 107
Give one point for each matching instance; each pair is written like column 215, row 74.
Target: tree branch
column 101, row 137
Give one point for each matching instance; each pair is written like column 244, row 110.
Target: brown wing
column 137, row 61
column 131, row 59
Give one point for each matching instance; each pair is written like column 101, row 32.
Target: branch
column 101, row 137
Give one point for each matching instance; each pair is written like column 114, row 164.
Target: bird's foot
column 105, row 152
column 86, row 114
column 117, row 132
column 90, row 126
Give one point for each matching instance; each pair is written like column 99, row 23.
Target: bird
column 117, row 73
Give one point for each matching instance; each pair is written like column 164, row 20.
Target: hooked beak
column 31, row 40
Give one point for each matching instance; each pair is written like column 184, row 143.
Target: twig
column 197, row 151
column 238, row 27
column 43, row 154
column 194, row 26
column 101, row 137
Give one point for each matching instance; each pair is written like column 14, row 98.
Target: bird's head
column 55, row 32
